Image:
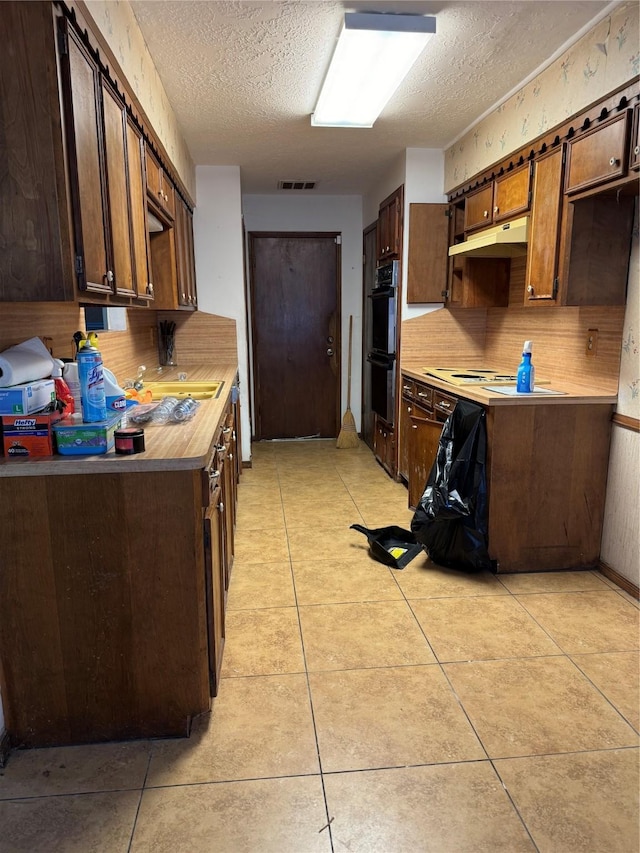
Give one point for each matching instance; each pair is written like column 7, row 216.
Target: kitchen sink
column 180, row 390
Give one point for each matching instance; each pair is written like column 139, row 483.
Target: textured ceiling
column 243, row 78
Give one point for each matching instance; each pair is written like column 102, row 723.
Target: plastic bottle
column 163, row 410
column 90, row 372
column 114, row 395
column 63, row 392
column 185, row 410
column 526, row 371
column 70, row 376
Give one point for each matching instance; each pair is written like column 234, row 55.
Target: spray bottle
column 526, row 371
column 90, row 372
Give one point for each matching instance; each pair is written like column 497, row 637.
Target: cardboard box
column 28, row 398
column 25, row 436
column 75, row 438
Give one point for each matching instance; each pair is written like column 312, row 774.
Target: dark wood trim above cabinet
column 623, row 98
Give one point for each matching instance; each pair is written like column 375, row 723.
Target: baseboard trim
column 248, row 464
column 619, row 580
column 5, row 747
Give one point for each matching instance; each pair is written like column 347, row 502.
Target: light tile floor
column 367, row 709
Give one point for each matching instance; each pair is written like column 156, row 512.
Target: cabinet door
column 115, row 124
column 599, row 155
column 83, row 129
column 215, row 588
column 142, row 283
column 511, row 193
column 428, row 252
column 406, row 408
column 634, row 160
column 153, row 173
column 168, row 196
column 544, row 239
column 423, row 447
column 478, row 210
column 185, row 261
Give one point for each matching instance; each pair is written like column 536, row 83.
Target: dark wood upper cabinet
column 428, row 252
column 143, row 280
column 634, row 156
column 390, row 225
column 159, row 187
column 478, row 211
column 35, row 259
column 599, row 155
column 544, row 235
column 511, row 193
column 83, row 124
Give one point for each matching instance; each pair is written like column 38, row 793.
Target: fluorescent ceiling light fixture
column 373, row 56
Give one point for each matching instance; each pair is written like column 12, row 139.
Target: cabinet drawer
column 478, row 209
column 424, row 395
column 599, row 155
column 443, row 403
column 408, row 389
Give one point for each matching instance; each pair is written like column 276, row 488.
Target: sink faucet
column 138, row 382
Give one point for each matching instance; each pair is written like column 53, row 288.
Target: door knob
column 330, row 339
column 329, row 351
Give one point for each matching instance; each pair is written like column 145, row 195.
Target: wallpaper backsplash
column 117, row 23
column 604, row 59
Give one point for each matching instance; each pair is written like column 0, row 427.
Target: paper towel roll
column 26, row 362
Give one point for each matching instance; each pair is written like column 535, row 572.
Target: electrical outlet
column 592, row 342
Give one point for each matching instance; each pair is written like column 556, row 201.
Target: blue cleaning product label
column 90, row 374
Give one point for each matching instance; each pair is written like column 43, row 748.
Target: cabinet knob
column 485, row 213
column 496, row 209
column 636, row 150
column 530, row 289
column 413, row 426
column 614, row 161
column 150, row 288
column 184, row 295
column 221, row 506
column 109, row 276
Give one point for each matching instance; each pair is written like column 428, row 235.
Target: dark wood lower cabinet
column 384, row 445
column 112, row 594
column 546, row 475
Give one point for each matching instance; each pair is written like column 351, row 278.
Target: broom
column 348, row 436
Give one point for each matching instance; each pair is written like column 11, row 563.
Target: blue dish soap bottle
column 526, row 371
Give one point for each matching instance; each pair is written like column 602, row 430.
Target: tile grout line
column 306, row 674
column 144, row 783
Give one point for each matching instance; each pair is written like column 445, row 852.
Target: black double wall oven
column 382, row 357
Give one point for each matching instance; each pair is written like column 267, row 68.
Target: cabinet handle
column 214, row 476
column 160, row 193
column 444, row 404
column 486, row 214
column 422, row 394
column 496, row 209
column 226, row 430
column 406, row 387
column 614, row 161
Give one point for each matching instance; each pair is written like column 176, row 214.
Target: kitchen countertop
column 167, row 447
column 571, row 393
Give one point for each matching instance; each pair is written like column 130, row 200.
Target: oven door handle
column 385, row 361
column 385, row 291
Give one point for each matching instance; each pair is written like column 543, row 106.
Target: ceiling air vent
column 296, row 185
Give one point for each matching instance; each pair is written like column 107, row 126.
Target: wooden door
column 478, row 211
column 83, row 128
column 428, row 252
column 296, row 335
column 115, row 155
column 143, row 285
column 544, row 240
column 369, row 251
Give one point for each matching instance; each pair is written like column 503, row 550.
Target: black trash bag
column 451, row 517
column 392, row 546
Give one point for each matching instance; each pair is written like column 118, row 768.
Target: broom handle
column 349, row 367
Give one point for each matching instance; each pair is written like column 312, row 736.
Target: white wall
column 393, row 179
column 341, row 214
column 217, row 234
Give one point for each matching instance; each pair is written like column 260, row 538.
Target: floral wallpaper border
column 604, row 59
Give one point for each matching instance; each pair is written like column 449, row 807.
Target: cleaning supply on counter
column 114, row 395
column 63, row 392
column 28, row 398
column 71, row 377
column 91, row 376
column 75, row 438
column 525, row 381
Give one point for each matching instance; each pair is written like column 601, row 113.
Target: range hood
column 502, row 241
